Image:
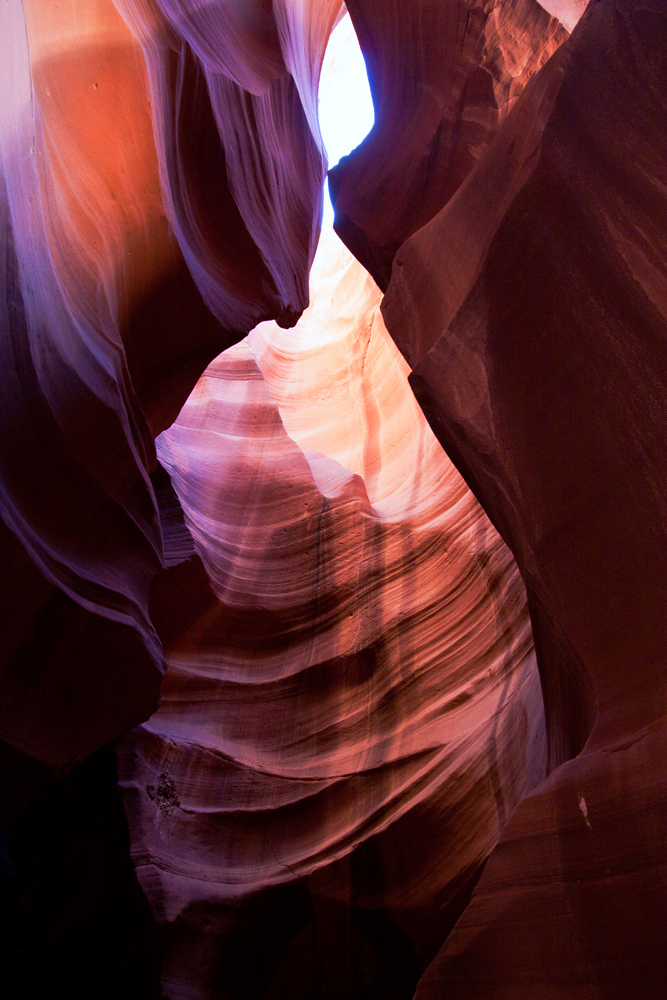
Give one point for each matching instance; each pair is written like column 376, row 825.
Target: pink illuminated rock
column 568, row 12
column 367, row 660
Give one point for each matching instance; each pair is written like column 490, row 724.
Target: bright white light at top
column 345, row 106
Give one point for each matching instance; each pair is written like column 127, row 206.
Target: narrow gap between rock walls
column 345, row 107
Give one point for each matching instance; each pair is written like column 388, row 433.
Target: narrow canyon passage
column 333, row 523
column 364, row 669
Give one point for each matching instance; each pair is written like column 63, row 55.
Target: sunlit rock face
column 162, row 174
column 365, row 667
column 76, row 448
column 568, row 12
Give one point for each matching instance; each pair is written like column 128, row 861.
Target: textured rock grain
column 533, row 311
column 367, row 658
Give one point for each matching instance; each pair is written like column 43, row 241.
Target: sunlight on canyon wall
column 344, row 561
column 367, row 660
column 366, row 664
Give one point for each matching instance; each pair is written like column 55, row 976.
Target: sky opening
column 345, row 107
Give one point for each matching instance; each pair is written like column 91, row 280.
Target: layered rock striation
column 162, row 173
column 365, row 664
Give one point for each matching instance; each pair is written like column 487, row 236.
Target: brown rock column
column 534, row 312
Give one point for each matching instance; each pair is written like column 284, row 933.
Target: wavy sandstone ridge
column 364, row 662
column 161, row 193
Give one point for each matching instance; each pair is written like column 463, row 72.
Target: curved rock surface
column 443, row 78
column 536, row 323
column 162, row 173
column 367, row 661
column 75, row 446
column 352, row 708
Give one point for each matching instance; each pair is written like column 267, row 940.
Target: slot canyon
column 334, row 533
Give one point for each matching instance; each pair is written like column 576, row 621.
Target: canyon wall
column 156, row 206
column 403, row 557
column 360, row 683
column 532, row 309
column 443, row 78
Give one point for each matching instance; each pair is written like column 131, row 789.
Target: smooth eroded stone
column 534, row 311
column 355, row 709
